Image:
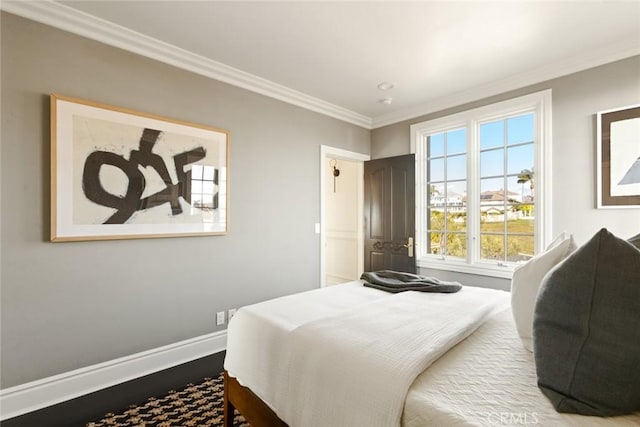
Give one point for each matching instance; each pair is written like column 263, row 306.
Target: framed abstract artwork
column 618, row 158
column 123, row 174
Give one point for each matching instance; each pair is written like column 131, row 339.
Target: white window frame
column 538, row 103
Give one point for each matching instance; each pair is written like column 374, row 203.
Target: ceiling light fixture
column 385, row 86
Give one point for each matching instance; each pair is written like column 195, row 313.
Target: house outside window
column 482, row 193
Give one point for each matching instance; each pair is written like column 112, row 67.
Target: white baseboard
column 24, row 398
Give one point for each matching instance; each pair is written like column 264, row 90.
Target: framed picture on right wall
column 618, row 158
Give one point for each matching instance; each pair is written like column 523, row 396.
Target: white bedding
column 368, row 356
column 257, row 332
column 487, row 379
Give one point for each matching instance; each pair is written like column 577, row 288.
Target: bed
column 478, row 375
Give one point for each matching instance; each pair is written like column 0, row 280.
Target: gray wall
column 70, row 305
column 576, row 99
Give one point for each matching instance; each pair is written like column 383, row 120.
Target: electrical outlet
column 232, row 312
column 220, row 318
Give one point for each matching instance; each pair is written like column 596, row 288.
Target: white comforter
column 489, row 379
column 315, row 357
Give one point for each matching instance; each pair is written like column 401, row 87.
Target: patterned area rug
column 195, row 405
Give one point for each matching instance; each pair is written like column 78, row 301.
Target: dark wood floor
column 92, row 407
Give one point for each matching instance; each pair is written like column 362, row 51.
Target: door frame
column 327, row 152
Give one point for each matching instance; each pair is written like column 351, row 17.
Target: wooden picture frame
column 618, row 158
column 123, row 174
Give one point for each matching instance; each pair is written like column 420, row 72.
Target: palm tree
column 525, row 176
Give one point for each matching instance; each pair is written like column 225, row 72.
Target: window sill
column 480, row 269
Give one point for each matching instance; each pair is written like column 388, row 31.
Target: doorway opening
column 341, row 215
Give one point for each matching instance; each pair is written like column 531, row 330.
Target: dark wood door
column 389, row 214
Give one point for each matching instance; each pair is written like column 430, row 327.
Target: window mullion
column 473, row 192
column 505, row 194
column 444, row 239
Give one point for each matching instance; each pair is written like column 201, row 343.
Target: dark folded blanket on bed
column 396, row 281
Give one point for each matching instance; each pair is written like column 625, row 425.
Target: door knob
column 409, row 246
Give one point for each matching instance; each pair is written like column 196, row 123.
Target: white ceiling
column 437, row 54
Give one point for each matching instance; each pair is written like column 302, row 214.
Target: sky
column 514, row 135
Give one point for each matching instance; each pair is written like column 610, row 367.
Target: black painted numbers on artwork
column 129, row 203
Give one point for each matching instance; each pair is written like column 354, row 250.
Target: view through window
column 477, row 185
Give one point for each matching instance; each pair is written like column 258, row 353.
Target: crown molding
column 589, row 59
column 68, row 19
column 74, row 21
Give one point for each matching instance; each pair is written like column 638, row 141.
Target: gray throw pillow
column 586, row 329
column 635, row 241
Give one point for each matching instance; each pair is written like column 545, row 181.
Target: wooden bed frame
column 253, row 409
